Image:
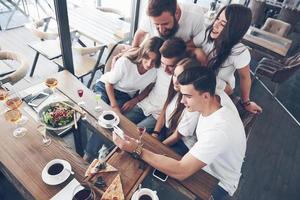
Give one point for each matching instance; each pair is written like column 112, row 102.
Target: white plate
column 109, row 125
column 50, row 180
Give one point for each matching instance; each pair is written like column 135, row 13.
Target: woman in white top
column 174, row 118
column 225, row 54
column 132, row 73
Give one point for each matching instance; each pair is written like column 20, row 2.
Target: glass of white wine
column 14, row 103
column 98, row 107
column 14, row 116
column 42, row 130
column 52, row 84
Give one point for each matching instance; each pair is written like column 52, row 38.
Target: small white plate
column 50, row 180
column 117, row 121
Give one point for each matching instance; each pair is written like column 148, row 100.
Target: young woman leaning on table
column 174, row 118
column 222, row 51
column 133, row 72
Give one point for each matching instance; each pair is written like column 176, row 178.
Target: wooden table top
column 200, row 184
column 267, row 40
column 98, row 26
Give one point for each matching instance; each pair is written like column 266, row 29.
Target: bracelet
column 155, row 132
column 246, row 103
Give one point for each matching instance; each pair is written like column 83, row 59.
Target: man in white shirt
column 167, row 18
column 221, row 140
column 146, row 112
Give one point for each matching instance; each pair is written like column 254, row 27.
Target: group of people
column 175, row 80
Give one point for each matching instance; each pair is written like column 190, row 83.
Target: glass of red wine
column 141, row 130
column 80, row 94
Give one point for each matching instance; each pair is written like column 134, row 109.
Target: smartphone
column 38, row 99
column 160, row 175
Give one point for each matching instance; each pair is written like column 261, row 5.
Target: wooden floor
column 272, row 165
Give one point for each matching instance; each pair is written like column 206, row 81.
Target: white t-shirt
column 240, row 57
column 221, row 144
column 154, row 102
column 191, row 23
column 187, row 123
column 126, row 78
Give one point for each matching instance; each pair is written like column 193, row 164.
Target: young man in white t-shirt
column 167, row 18
column 221, row 140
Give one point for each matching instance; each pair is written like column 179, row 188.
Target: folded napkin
column 67, row 192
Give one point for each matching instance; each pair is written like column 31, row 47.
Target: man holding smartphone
column 221, row 140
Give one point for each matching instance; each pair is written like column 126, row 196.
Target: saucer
column 50, row 180
column 116, row 122
column 143, row 191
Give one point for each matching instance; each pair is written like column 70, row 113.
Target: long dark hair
column 136, row 54
column 186, row 63
column 238, row 21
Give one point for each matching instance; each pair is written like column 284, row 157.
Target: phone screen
column 160, row 175
column 37, row 100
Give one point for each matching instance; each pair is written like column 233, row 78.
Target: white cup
column 58, row 173
column 108, row 117
column 144, row 191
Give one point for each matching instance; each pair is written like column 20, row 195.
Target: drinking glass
column 3, row 97
column 141, row 130
column 52, row 84
column 80, row 94
column 83, row 192
column 98, row 107
column 42, row 130
column 15, row 103
column 14, row 116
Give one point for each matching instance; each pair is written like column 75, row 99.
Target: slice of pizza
column 114, row 191
column 99, row 166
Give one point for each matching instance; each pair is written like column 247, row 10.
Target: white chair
column 86, row 61
column 20, row 72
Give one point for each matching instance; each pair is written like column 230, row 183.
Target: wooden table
column 28, row 176
column 98, row 26
column 265, row 41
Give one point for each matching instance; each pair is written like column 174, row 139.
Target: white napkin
column 67, row 192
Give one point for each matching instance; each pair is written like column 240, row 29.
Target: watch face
column 135, row 155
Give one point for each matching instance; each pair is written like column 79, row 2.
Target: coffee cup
column 56, row 169
column 84, row 193
column 145, row 194
column 108, row 117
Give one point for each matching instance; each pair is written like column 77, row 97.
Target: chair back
column 22, row 69
column 39, row 29
column 247, row 117
column 291, row 65
column 276, row 26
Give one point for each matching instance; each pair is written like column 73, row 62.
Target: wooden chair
column 276, row 26
column 278, row 71
column 20, row 72
column 86, row 61
column 48, row 46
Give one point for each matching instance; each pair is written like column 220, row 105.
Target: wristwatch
column 136, row 154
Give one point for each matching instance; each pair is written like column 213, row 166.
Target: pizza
column 114, row 191
column 99, row 166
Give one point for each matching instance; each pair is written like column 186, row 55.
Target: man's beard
column 171, row 32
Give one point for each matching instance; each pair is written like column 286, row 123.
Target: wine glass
column 52, row 84
column 42, row 130
column 14, row 116
column 80, row 94
column 141, row 130
column 98, row 107
column 3, row 96
column 14, row 103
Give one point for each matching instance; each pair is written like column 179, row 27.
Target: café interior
column 56, row 50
